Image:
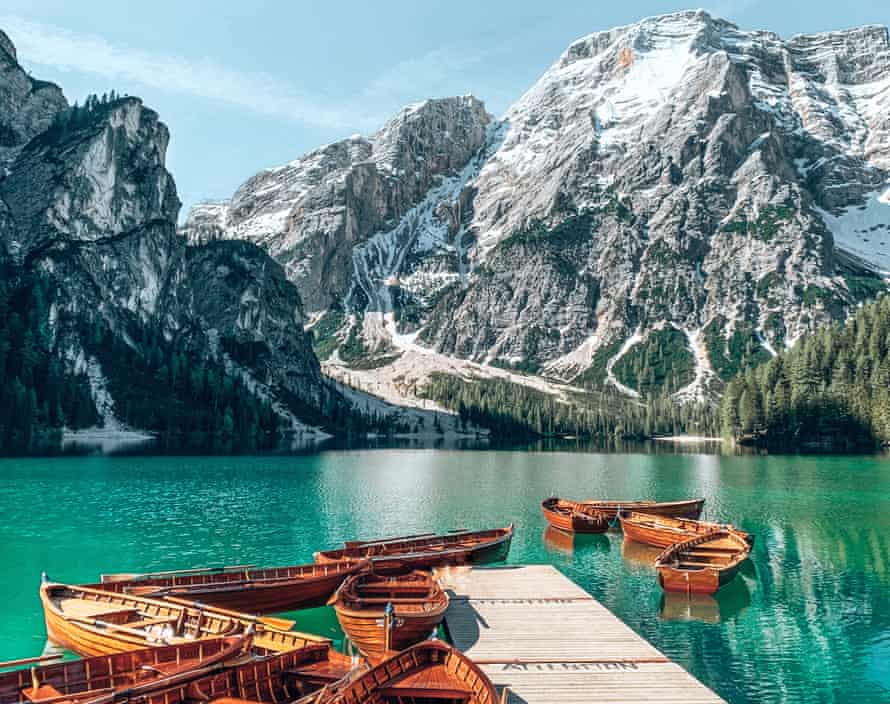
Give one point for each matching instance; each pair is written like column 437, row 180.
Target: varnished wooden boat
column 95, row 622
column 663, row 531
column 426, row 551
column 382, row 613
column 431, row 671
column 574, row 517
column 104, row 679
column 255, row 591
column 690, row 508
column 292, row 676
column 702, row 564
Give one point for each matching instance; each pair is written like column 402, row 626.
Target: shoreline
column 688, row 439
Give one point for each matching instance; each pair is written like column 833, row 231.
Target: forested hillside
column 36, row 392
column 514, row 412
column 830, row 391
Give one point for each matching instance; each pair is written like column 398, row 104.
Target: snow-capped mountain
column 675, row 194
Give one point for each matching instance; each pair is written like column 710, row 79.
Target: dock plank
column 532, row 629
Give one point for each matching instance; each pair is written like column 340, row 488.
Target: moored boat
column 427, row 550
column 431, row 671
column 255, row 591
column 292, row 676
column 663, row 531
column 702, row 564
column 688, row 508
column 573, row 517
column 383, row 613
column 95, row 622
column 104, row 679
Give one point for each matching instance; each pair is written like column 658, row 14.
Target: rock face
column 86, row 199
column 312, row 213
column 675, row 174
column 27, row 106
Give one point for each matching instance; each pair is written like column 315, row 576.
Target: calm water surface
column 808, row 622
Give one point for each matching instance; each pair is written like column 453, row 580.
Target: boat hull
column 575, row 522
column 138, row 672
column 94, row 622
column 703, row 581
column 674, row 509
column 650, row 532
column 424, row 554
column 253, row 596
column 432, row 671
column 703, row 564
column 411, row 605
column 366, row 631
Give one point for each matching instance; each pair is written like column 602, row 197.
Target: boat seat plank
column 81, row 608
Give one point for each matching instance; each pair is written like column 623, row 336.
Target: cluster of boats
column 204, row 635
column 698, row 557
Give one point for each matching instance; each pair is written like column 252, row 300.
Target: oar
column 28, row 661
column 99, row 623
column 282, row 624
column 126, row 576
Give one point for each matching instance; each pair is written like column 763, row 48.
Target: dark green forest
column 513, row 411
column 830, row 391
column 37, row 393
column 162, row 387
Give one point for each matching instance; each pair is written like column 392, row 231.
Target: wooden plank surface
column 535, row 631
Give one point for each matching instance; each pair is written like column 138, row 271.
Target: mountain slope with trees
column 830, row 391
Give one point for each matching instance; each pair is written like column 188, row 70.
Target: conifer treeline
column 831, row 390
column 159, row 386
column 36, row 392
column 514, row 411
column 190, row 400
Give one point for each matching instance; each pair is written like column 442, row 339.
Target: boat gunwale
column 480, row 689
column 358, row 551
column 669, row 557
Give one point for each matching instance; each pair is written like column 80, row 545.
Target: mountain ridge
column 674, row 173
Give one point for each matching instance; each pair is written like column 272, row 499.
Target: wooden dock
column 535, row 631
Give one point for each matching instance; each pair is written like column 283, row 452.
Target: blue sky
column 247, row 85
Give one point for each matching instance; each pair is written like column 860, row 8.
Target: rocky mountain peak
column 7, row 47
column 95, row 173
column 311, row 212
column 27, row 106
column 678, row 188
column 851, row 57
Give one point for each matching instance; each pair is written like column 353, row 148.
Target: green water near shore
column 807, row 621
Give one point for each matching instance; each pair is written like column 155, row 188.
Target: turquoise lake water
column 807, row 621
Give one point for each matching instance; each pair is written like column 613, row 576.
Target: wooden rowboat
column 104, row 679
column 690, row 508
column 573, row 517
column 384, row 613
column 255, row 591
column 663, row 531
column 431, row 671
column 427, row 550
column 95, row 622
column 292, row 676
column 703, row 564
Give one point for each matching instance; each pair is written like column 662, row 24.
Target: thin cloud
column 262, row 93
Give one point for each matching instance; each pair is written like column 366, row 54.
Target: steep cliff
column 87, row 205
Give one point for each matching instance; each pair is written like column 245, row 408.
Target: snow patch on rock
column 863, row 231
column 634, row 339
